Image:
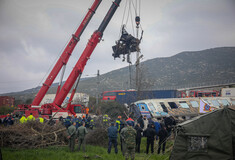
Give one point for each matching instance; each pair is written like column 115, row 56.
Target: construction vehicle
column 55, row 108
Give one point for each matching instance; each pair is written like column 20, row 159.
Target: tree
column 29, row 101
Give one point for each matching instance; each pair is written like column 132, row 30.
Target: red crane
column 79, row 67
column 62, row 61
column 47, row 109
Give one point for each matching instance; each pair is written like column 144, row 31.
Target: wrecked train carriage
column 180, row 108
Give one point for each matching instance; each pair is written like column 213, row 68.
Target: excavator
column 55, row 108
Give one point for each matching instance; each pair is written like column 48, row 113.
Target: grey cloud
column 33, row 33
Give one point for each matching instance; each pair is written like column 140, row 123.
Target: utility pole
column 137, row 21
column 98, row 82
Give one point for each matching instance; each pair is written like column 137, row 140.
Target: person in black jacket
column 163, row 134
column 169, row 123
column 150, row 134
column 139, row 130
column 141, row 121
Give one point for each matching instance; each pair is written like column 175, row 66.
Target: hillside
column 189, row 68
column 209, row 66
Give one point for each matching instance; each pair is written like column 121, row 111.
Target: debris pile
column 98, row 137
column 32, row 135
column 37, row 135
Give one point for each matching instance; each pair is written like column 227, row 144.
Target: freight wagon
column 130, row 96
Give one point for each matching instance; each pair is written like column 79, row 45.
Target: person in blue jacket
column 8, row 121
column 157, row 128
column 68, row 121
column 112, row 134
column 76, row 120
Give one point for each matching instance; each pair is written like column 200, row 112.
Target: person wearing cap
column 128, row 135
column 131, row 121
column 87, row 111
column 23, row 119
column 112, row 134
column 84, row 119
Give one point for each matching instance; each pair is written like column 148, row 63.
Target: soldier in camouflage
column 128, row 135
column 71, row 132
column 81, row 133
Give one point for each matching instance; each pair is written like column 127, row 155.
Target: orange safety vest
column 87, row 110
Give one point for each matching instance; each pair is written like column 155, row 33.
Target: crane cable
column 128, row 13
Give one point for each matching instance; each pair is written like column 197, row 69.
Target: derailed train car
column 179, row 108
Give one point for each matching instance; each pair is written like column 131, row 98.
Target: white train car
column 179, row 108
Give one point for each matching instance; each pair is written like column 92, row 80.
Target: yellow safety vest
column 30, row 118
column 117, row 121
column 41, row 120
column 23, row 119
column 105, row 118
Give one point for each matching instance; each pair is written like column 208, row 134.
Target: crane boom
column 66, row 54
column 79, row 67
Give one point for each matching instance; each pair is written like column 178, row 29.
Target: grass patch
column 93, row 152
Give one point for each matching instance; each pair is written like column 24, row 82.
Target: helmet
column 75, row 115
column 83, row 116
column 119, row 117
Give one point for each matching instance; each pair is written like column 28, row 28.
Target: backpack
column 130, row 136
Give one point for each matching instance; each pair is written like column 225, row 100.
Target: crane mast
column 62, row 61
column 79, row 67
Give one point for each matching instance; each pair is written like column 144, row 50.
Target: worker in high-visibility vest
column 41, row 120
column 31, row 117
column 87, row 112
column 105, row 120
column 119, row 123
column 92, row 124
column 68, row 121
column 23, row 119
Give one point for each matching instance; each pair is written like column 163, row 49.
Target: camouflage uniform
column 81, row 133
column 128, row 134
column 71, row 131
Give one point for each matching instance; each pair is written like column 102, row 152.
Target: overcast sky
column 33, row 33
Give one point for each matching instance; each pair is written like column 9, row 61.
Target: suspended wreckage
column 125, row 45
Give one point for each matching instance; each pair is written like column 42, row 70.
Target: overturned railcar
column 179, row 108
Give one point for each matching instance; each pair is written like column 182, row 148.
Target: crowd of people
column 10, row 119
column 131, row 133
column 70, row 119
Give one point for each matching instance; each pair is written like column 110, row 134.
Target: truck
column 55, row 108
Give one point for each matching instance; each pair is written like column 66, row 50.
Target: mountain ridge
column 183, row 69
